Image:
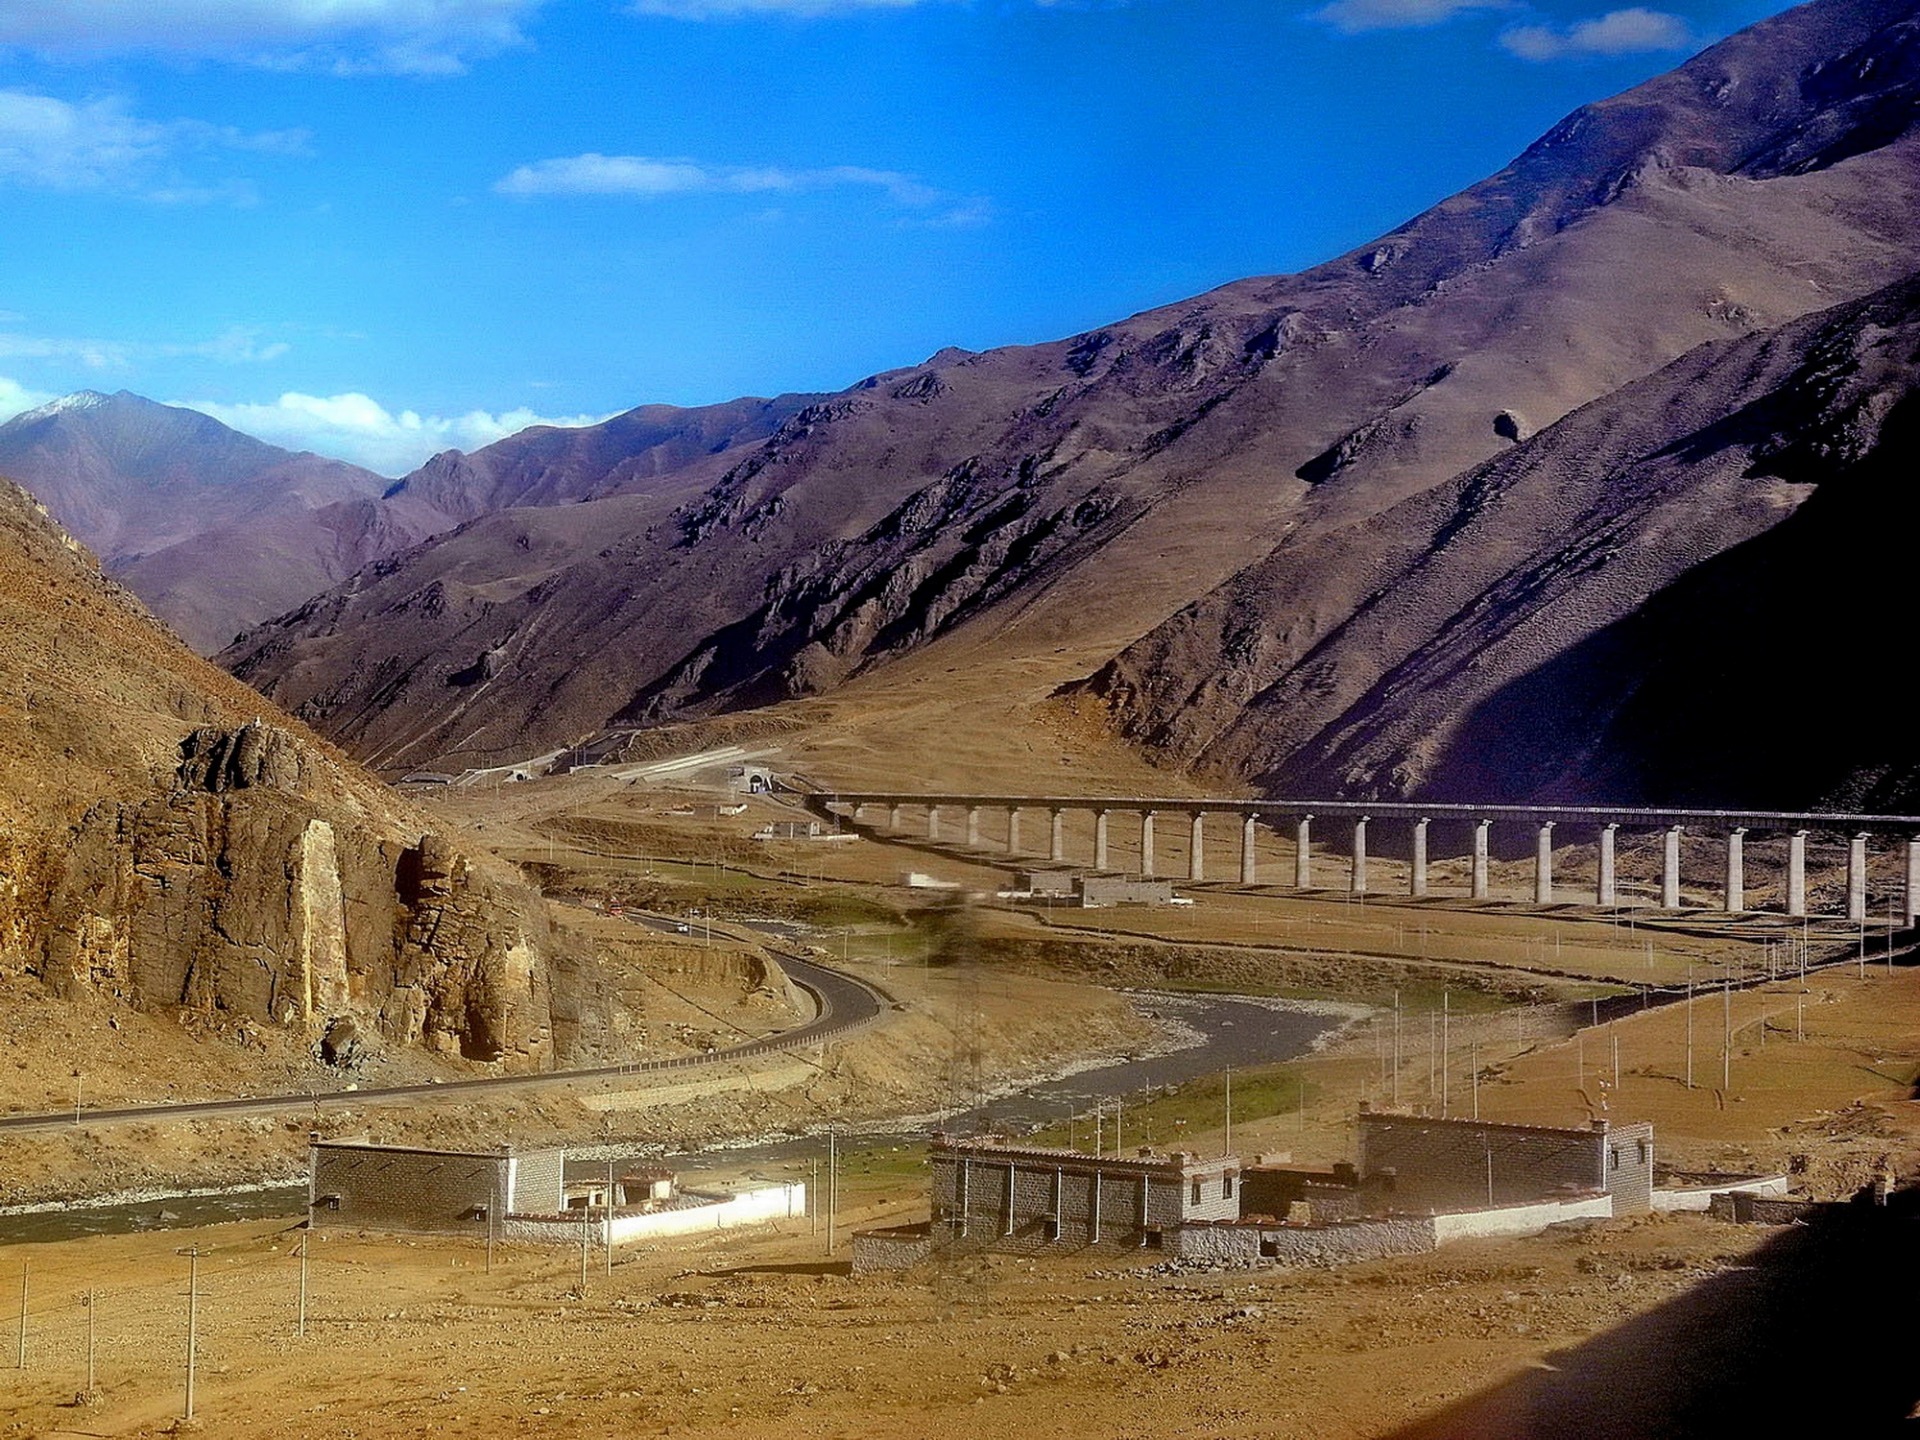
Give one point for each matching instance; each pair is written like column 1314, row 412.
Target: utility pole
column 833, row 1196
column 1446, row 1046
column 1726, row 1035
column 1473, row 1059
column 813, row 1196
column 92, row 1388
column 1396, row 1047
column 193, row 1321
column 306, row 1239
column 609, row 1219
column 25, row 1276
column 493, row 1209
column 1226, row 1147
column 1689, row 1027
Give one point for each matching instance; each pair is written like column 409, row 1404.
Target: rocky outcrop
column 164, row 846
column 229, row 894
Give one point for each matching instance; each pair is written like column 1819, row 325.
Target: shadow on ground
column 1817, row 1327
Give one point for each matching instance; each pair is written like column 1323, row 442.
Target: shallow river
column 1221, row 1031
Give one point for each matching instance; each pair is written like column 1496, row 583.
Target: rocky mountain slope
column 165, row 847
column 1243, row 452
column 1682, row 592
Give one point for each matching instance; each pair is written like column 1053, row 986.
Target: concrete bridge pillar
column 1057, row 838
column 1303, row 853
column 859, row 806
column 1543, row 865
column 933, row 822
column 1417, row 871
column 1737, row 871
column 1913, row 881
column 1797, row 874
column 1013, row 830
column 1249, row 859
column 973, row 827
column 1146, row 842
column 893, row 816
column 1670, row 870
column 1480, row 828
column 1100, row 840
column 1857, row 877
column 1605, row 892
column 1196, row 851
column 1357, row 876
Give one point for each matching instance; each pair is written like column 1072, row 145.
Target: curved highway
column 843, row 1003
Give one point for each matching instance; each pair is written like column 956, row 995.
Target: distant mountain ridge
column 217, row 531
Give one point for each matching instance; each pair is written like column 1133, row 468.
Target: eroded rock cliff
column 166, row 846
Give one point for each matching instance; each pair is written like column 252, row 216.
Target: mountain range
column 1499, row 503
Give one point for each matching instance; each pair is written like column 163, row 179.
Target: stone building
column 992, row 1194
column 435, row 1192
column 1421, row 1162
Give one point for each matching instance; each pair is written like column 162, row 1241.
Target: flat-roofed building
column 435, row 1192
column 992, row 1194
column 1423, row 1162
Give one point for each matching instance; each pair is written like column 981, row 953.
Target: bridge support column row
column 1543, row 865
column 1100, row 840
column 1197, row 850
column 1303, row 853
column 1357, row 879
column 1605, row 893
column 1417, row 869
column 1736, row 871
column 1057, row 839
column 1913, row 882
column 973, row 827
column 1146, row 843
column 1670, row 870
column 1480, row 828
column 1013, row 831
column 1249, row 861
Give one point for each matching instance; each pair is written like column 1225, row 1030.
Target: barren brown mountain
column 166, row 850
column 1210, row 490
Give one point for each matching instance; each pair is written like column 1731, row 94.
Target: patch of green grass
column 1195, row 1108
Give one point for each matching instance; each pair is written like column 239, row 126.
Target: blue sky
column 379, row 228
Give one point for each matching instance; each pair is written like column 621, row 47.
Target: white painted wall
column 1700, row 1197
column 1519, row 1219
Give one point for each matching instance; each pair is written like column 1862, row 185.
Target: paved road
column 845, row 1004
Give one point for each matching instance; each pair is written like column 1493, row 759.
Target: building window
column 1645, row 1156
column 1155, row 1240
column 1196, row 1190
column 1051, row 1226
column 1613, row 1157
column 1226, row 1187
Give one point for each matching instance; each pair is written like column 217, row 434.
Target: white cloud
column 1618, row 32
column 357, row 428
column 52, row 144
column 346, row 36
column 650, row 178
column 1352, row 17
column 16, row 398
column 237, row 345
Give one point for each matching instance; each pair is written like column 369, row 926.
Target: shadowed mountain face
column 164, row 847
column 1680, row 593
column 1207, row 491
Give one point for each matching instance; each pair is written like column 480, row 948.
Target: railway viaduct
column 933, row 817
